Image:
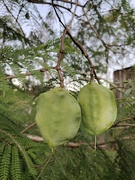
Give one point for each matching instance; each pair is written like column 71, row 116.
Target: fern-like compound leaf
column 15, row 165
column 5, row 163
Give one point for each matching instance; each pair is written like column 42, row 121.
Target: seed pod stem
column 95, row 142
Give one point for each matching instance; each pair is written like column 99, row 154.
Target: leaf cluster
column 22, row 158
column 27, row 68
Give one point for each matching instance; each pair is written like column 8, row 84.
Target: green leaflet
column 98, row 108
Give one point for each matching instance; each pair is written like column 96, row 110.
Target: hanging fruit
column 58, row 116
column 98, row 108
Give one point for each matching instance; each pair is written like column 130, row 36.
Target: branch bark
column 78, row 144
column 61, row 53
column 92, row 72
column 54, row 4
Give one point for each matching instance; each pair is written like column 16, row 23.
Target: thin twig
column 126, row 119
column 34, row 137
column 46, row 163
column 54, row 4
column 61, row 53
column 95, row 31
column 13, row 17
column 92, row 72
column 73, row 15
column 31, row 125
column 125, row 125
column 42, row 70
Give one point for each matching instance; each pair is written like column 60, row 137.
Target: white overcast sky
column 43, row 10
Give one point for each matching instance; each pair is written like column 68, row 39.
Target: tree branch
column 95, row 31
column 42, row 70
column 78, row 144
column 73, row 15
column 54, row 4
column 92, row 72
column 60, row 59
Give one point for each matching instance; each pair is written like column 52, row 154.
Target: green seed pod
column 98, row 108
column 58, row 116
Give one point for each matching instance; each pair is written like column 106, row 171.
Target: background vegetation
column 45, row 44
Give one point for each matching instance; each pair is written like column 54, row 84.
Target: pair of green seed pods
column 59, row 115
